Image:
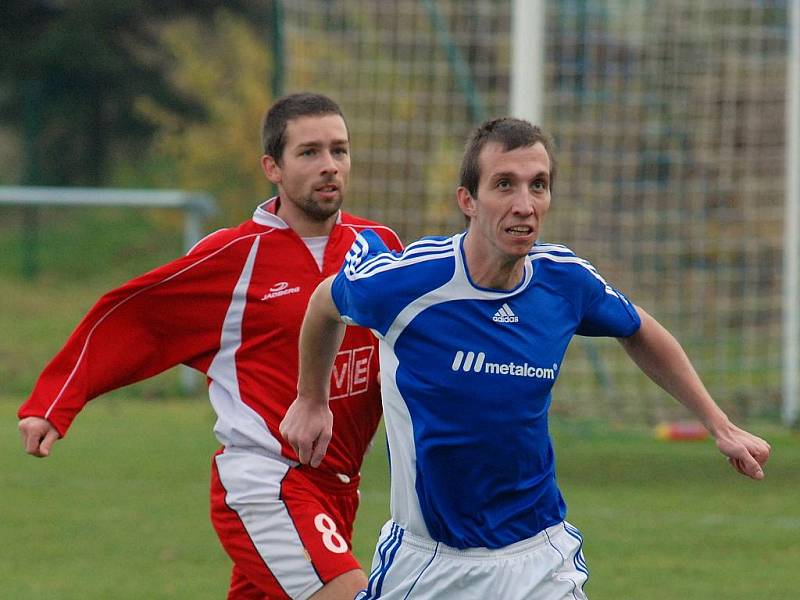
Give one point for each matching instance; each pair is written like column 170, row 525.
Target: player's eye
column 308, row 152
column 503, row 184
column 539, row 185
column 340, row 151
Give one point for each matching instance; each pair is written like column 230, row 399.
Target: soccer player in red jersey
column 232, row 309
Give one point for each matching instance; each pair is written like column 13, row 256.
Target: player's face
column 513, row 200
column 313, row 172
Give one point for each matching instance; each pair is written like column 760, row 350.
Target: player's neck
column 506, row 278
column 303, row 224
column 487, row 270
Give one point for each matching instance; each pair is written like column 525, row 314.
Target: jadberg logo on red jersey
column 280, row 289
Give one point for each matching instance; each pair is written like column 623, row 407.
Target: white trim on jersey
column 410, row 255
column 459, row 286
column 386, row 265
column 585, row 264
column 124, row 301
column 550, row 248
column 425, row 245
column 405, row 507
column 263, row 216
column 232, row 412
column 417, row 252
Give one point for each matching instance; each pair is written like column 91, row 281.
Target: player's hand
column 308, row 427
column 38, row 436
column 746, row 452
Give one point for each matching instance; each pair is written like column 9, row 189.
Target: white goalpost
column 527, row 59
column 791, row 264
column 670, row 122
column 527, row 93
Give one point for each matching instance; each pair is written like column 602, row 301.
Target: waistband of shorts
column 541, row 539
column 258, row 450
column 329, row 481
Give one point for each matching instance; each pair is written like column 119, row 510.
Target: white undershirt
column 316, row 245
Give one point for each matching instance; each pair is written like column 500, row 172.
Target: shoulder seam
column 583, row 263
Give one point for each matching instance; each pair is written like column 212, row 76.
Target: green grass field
column 120, row 510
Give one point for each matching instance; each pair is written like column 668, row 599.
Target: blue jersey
column 466, row 376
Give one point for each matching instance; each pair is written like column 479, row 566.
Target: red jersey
column 232, row 309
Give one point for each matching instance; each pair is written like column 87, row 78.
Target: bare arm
column 659, row 355
column 308, row 423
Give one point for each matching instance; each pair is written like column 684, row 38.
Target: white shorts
column 548, row 566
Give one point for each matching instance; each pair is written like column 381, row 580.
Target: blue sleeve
column 605, row 311
column 363, row 283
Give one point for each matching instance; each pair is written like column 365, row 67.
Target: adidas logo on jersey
column 505, row 315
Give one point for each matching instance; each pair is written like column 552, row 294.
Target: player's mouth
column 328, row 191
column 520, row 231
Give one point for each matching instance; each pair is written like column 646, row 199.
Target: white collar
column 265, row 215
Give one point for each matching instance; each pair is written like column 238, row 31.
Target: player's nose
column 328, row 165
column 523, row 204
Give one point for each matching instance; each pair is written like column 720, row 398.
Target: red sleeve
column 170, row 315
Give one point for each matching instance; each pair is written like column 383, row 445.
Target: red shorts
column 288, row 530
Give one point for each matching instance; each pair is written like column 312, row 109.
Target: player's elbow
column 321, row 302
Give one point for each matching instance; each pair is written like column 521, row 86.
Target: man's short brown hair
column 511, row 134
column 293, row 106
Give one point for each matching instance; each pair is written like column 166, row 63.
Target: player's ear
column 271, row 169
column 466, row 202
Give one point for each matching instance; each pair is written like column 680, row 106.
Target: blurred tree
column 223, row 61
column 71, row 72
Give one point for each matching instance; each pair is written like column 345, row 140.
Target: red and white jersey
column 232, row 309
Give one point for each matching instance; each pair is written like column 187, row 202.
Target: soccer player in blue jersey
column 473, row 331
